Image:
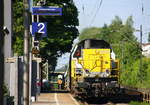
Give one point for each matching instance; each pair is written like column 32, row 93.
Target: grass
column 139, row 103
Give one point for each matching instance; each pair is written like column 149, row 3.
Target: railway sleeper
column 146, row 97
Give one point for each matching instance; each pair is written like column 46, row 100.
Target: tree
column 18, row 28
column 92, row 32
column 61, row 30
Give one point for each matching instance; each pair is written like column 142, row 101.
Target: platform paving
column 55, row 99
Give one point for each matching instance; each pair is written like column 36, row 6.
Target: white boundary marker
column 74, row 100
column 57, row 103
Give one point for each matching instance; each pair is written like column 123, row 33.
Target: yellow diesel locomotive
column 94, row 71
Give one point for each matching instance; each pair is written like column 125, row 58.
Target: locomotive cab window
column 99, row 44
column 77, row 52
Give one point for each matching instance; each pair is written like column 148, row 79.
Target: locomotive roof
column 100, row 40
column 93, row 40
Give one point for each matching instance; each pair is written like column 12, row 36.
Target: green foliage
column 132, row 74
column 9, row 99
column 18, row 28
column 6, row 90
column 90, row 33
column 61, row 30
column 18, row 45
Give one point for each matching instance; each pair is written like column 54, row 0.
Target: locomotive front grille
column 96, row 80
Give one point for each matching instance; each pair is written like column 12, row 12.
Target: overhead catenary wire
column 80, row 2
column 100, row 4
column 93, row 7
column 140, row 30
column 83, row 8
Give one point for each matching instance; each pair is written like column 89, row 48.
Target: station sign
column 52, row 11
column 10, row 60
column 39, row 27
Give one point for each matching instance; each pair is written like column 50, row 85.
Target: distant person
column 59, row 83
column 60, row 78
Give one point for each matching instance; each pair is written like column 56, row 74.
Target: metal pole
column 1, row 52
column 26, row 54
column 30, row 70
column 141, row 71
column 38, row 70
column 38, row 18
column 47, row 69
column 30, row 76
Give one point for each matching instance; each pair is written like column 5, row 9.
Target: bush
column 135, row 77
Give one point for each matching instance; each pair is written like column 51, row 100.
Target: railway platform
column 55, row 99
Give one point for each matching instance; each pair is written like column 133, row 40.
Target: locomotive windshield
column 93, row 43
column 99, row 44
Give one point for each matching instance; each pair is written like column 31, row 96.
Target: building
column 146, row 49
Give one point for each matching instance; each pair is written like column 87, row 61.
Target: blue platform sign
column 39, row 28
column 52, row 11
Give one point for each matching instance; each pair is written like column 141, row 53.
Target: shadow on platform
column 56, row 91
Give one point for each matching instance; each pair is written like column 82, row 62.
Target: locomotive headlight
column 106, row 73
column 78, row 71
column 87, row 71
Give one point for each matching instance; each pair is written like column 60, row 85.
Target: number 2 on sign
column 41, row 28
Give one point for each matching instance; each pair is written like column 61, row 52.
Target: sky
column 95, row 13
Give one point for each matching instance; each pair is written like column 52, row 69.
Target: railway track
column 123, row 98
column 126, row 95
column 63, row 98
column 144, row 93
column 109, row 101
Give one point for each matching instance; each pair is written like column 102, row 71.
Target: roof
column 145, row 44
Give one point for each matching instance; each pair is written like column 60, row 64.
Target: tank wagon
column 94, row 71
